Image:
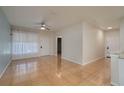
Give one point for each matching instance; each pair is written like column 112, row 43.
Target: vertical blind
column 24, row 44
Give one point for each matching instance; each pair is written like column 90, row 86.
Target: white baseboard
column 114, row 84
column 73, row 61
column 93, row 60
column 1, row 74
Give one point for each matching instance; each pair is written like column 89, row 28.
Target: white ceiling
column 60, row 16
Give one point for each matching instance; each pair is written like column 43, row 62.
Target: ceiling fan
column 43, row 26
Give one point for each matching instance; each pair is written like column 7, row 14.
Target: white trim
column 5, row 69
column 93, row 60
column 58, row 36
column 73, row 61
column 25, row 56
column 80, row 63
column 69, row 60
column 115, row 84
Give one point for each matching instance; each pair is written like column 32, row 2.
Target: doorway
column 59, row 54
column 59, row 46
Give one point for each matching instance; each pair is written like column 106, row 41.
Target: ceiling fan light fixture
column 42, row 28
column 43, row 25
column 109, row 27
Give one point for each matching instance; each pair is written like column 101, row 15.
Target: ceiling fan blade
column 40, row 23
column 47, row 28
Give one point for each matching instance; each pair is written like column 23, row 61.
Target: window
column 24, row 43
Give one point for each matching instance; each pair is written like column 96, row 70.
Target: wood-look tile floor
column 47, row 71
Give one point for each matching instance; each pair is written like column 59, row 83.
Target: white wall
column 5, row 43
column 71, row 43
column 82, row 43
column 122, row 36
column 93, row 43
column 47, row 40
column 112, row 39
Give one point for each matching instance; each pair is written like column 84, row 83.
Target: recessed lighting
column 109, row 27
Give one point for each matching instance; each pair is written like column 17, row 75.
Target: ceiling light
column 109, row 28
column 42, row 28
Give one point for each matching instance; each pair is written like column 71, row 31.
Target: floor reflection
column 59, row 65
column 22, row 69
